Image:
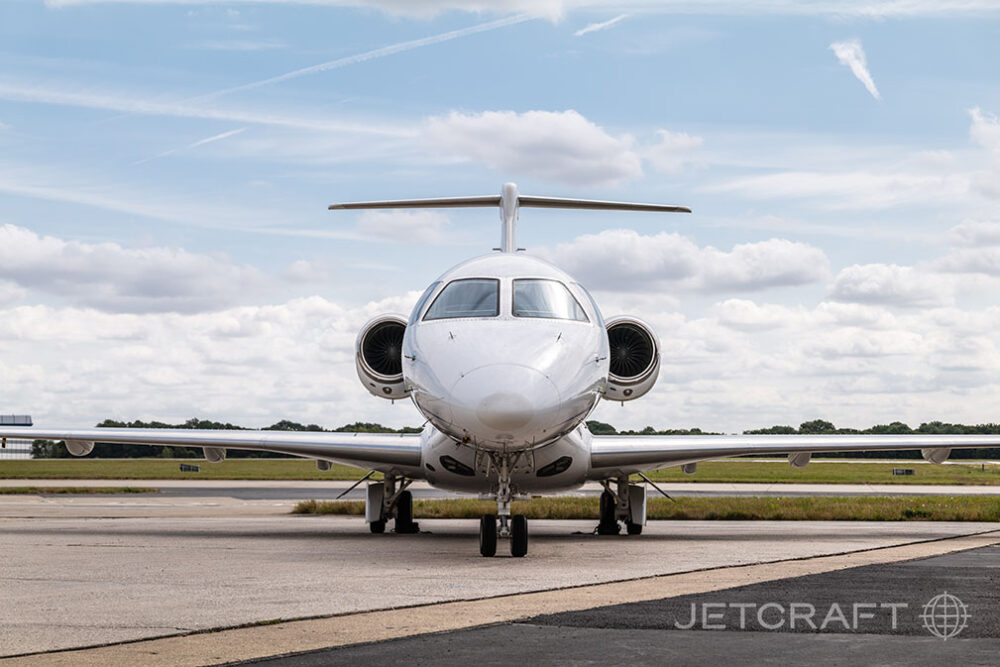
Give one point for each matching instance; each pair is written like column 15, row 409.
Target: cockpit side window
column 593, row 303
column 468, row 297
column 535, row 297
column 421, row 302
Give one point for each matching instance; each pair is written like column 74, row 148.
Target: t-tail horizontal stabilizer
column 509, row 201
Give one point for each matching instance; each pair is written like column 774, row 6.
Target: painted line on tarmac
column 261, row 641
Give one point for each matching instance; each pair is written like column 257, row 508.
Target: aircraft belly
column 558, row 466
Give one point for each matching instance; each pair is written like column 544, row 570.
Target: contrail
column 200, row 142
column 377, row 53
column 851, row 54
column 594, row 27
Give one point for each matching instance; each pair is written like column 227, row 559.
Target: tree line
column 51, row 449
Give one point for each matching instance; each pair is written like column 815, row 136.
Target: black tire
column 609, row 524
column 633, row 528
column 488, row 535
column 404, row 514
column 518, row 535
column 377, row 526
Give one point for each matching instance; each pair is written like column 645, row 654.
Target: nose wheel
column 488, row 534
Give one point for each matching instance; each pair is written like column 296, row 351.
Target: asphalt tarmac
column 866, row 615
column 81, row 572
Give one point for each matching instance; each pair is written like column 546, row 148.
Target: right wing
column 614, row 455
column 388, row 453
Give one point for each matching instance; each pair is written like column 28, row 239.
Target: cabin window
column 470, row 297
column 546, row 298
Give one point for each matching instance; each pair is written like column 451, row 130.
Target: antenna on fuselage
column 510, row 201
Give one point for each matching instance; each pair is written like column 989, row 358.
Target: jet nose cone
column 505, row 404
column 505, row 411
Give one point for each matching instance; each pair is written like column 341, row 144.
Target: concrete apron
column 248, row 643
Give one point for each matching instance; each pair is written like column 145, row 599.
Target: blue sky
column 165, row 251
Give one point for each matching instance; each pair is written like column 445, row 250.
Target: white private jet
column 505, row 355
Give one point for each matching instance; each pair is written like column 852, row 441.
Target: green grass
column 810, row 508
column 57, row 490
column 818, row 472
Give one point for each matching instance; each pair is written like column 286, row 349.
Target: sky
column 165, row 168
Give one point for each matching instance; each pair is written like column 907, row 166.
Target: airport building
column 15, row 448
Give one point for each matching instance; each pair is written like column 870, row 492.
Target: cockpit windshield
column 546, row 298
column 470, row 297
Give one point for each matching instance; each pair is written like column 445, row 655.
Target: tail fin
column 509, row 201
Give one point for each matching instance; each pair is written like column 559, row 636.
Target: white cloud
column 975, row 233
column 746, row 315
column 604, row 25
column 851, row 54
column 673, row 151
column 153, row 105
column 560, row 146
column 860, row 189
column 985, row 131
column 291, row 360
column 984, row 260
column 625, row 260
column 418, row 226
column 892, row 285
column 50, row 186
column 109, row 277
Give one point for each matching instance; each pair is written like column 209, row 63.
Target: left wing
column 387, row 453
column 613, row 455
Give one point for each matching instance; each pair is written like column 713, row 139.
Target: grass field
column 61, row 490
column 811, row 508
column 818, row 472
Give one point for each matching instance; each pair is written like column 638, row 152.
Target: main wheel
column 404, row 514
column 633, row 528
column 377, row 526
column 488, row 535
column 518, row 535
column 609, row 524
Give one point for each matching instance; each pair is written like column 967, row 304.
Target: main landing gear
column 516, row 526
column 386, row 501
column 624, row 502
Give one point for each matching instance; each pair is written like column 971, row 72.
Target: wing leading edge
column 396, row 453
column 613, row 455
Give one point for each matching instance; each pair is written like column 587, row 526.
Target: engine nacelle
column 635, row 358
column 379, row 356
column 80, row 447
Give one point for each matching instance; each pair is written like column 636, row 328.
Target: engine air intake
column 382, row 348
column 632, row 350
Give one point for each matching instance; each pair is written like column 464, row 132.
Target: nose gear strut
column 515, row 527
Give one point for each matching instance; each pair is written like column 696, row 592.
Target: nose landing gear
column 516, row 526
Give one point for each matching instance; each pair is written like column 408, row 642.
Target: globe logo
column 945, row 616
